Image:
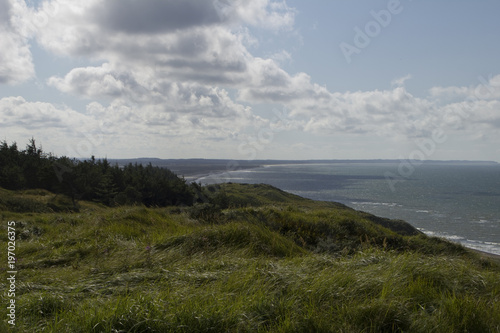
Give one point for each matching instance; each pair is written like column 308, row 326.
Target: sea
column 456, row 201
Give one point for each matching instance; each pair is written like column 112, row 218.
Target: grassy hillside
column 253, row 259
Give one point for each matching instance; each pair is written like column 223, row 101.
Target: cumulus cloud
column 386, row 113
column 474, row 108
column 477, row 114
column 139, row 90
column 16, row 64
column 91, row 82
column 399, row 82
column 17, row 112
column 142, row 127
column 162, row 16
column 98, row 26
column 182, row 70
column 486, row 89
column 200, row 46
column 167, row 73
column 390, row 113
column 155, row 16
column 275, row 15
column 281, row 57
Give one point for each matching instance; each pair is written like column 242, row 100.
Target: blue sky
column 252, row 80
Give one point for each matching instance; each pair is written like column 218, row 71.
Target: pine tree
column 106, row 190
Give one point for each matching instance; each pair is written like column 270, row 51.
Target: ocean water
column 460, row 202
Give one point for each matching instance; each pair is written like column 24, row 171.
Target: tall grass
column 267, row 268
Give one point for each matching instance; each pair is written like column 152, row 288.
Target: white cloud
column 96, row 26
column 400, row 82
column 449, row 93
column 168, row 77
column 141, row 91
column 104, row 129
column 487, row 89
column 479, row 115
column 16, row 64
column 91, row 82
column 281, row 57
column 386, row 113
column 390, row 113
column 167, row 70
column 208, row 51
column 17, row 112
column 263, row 13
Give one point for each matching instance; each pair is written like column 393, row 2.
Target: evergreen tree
column 106, row 190
column 32, row 157
column 11, row 171
column 92, row 179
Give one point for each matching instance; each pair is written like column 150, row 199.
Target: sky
column 263, row 79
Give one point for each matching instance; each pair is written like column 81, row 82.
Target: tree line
column 93, row 180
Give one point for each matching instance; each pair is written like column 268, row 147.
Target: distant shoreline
column 486, row 255
column 196, row 168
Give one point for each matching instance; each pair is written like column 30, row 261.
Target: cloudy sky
column 253, row 79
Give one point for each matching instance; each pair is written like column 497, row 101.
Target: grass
column 279, row 264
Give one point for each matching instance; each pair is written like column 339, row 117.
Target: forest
column 91, row 180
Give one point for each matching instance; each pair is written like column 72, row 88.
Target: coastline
column 294, row 186
column 215, row 173
column 486, row 255
column 239, row 263
column 483, row 254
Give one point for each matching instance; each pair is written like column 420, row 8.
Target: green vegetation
column 250, row 259
column 91, row 180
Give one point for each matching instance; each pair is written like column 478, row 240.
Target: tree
column 106, row 190
column 92, row 179
column 11, row 172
